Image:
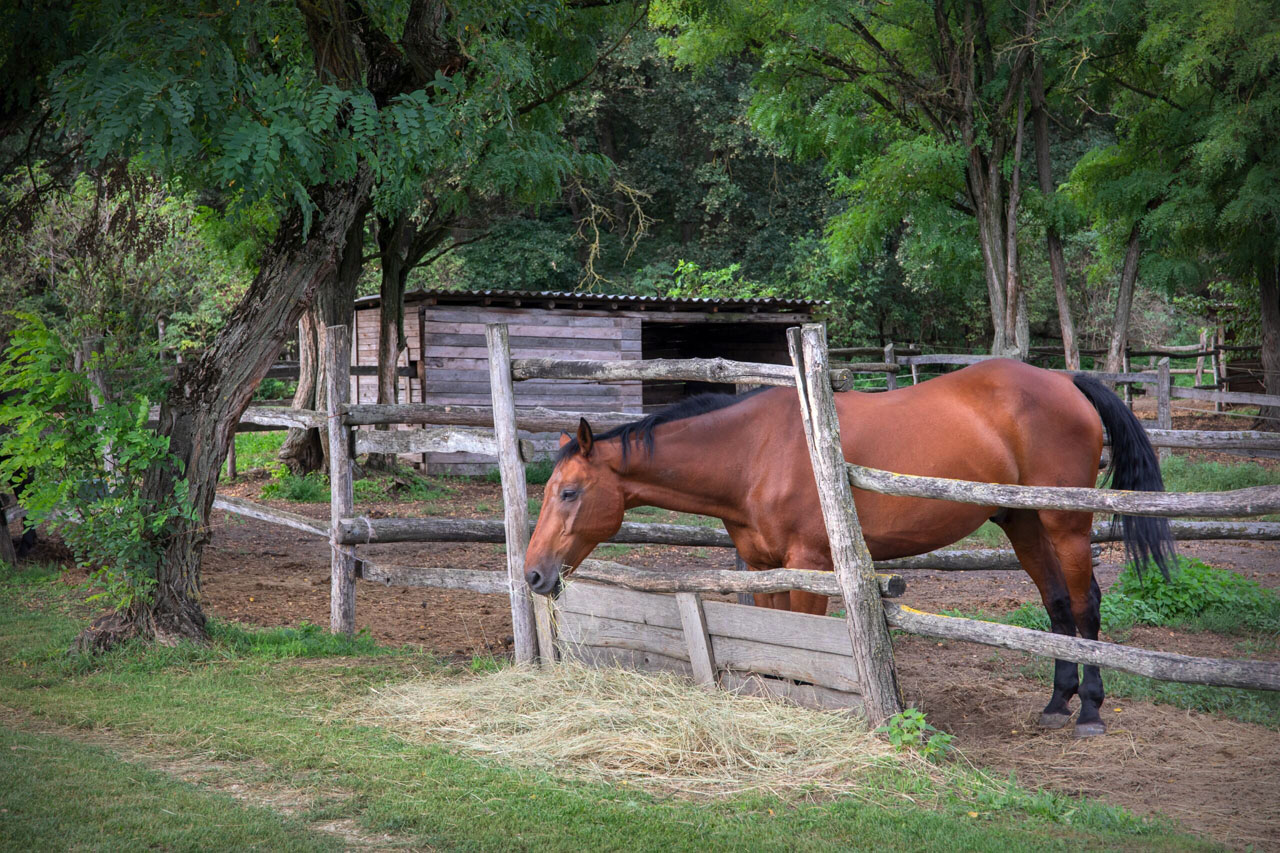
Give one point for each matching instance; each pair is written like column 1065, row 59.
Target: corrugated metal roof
column 564, row 300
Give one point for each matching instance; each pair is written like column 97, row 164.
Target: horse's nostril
column 533, row 578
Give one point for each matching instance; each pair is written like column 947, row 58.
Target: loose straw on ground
column 654, row 730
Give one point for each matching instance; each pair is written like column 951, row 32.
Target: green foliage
column 1187, row 475
column 305, row 488
column 402, row 486
column 535, row 473
column 909, row 730
column 1195, row 596
column 86, row 461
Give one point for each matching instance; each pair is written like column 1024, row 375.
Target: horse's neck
column 681, row 475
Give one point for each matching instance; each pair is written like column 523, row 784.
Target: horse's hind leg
column 1069, row 534
column 1035, row 551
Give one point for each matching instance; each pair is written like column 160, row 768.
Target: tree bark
column 1124, row 302
column 202, row 408
column 301, row 451
column 401, row 247
column 305, row 451
column 1053, row 241
column 1269, row 284
column 1016, row 323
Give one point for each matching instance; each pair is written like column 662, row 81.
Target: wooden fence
column 613, row 613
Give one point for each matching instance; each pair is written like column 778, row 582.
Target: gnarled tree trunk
column 301, row 451
column 206, row 401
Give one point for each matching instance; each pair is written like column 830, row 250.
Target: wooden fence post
column 1204, row 342
column 1164, row 395
column 864, row 615
column 231, row 458
column 1215, row 361
column 515, row 496
column 342, row 580
column 891, row 378
column 1128, row 386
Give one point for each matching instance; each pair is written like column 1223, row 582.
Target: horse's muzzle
column 544, row 581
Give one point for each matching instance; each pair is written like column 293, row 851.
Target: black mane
column 641, row 431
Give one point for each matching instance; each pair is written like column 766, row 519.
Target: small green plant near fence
column 535, row 473
column 306, row 488
column 909, row 730
column 257, row 449
column 1196, row 596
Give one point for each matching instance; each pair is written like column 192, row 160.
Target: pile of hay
column 655, row 730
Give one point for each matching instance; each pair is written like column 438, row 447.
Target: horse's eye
column 568, row 494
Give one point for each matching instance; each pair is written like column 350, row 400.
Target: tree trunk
column 305, row 450
column 1016, row 323
column 1269, row 284
column 1124, row 302
column 301, row 450
column 1044, row 174
column 986, row 194
column 202, row 408
column 401, row 247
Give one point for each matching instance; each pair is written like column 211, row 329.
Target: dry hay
column 655, row 730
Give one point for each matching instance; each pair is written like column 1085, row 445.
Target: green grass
column 535, row 473
column 257, row 449
column 652, row 514
column 310, row 488
column 57, row 794
column 404, row 486
column 273, row 721
column 1185, row 475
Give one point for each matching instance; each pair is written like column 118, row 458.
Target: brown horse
column 744, row 460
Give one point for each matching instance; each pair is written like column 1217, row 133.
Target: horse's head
column 582, row 506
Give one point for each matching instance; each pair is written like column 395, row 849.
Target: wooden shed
column 448, row 360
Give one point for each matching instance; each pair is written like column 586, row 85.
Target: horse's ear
column 565, row 438
column 585, row 437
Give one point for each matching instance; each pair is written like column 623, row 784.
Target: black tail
column 1134, row 466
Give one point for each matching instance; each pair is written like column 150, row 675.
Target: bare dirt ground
column 1215, row 775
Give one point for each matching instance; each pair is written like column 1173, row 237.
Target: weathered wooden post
column 1204, row 342
column 1215, row 361
column 1164, row 395
column 1128, row 386
column 864, row 615
column 696, row 638
column 515, row 497
column 231, row 458
column 890, row 378
column 342, row 579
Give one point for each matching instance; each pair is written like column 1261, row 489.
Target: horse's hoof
column 1091, row 729
column 1052, row 720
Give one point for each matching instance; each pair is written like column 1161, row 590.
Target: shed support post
column 515, row 500
column 1164, row 394
column 864, row 615
column 342, row 581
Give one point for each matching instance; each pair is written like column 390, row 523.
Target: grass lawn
column 261, row 704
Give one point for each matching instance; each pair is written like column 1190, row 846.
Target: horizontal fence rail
column 1258, row 500
column 718, row 370
column 1164, row 666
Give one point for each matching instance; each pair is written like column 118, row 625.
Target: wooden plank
column 342, row 586
column 440, row 439
column 645, row 608
column 872, row 660
column 1243, row 398
column 1214, row 439
column 803, row 631
column 363, row 531
column 805, row 695
column 839, row 672
column 515, row 496
column 698, row 643
column 723, row 581
column 1164, row 666
column 1258, row 500
column 626, row 659
column 601, row 631
column 439, row 578
column 249, row 509
column 1255, row 531
column 717, row 370
column 282, row 417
